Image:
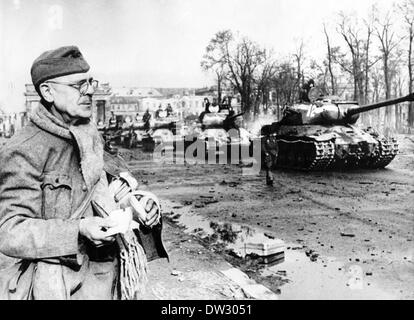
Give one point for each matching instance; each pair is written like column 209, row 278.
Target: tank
column 323, row 134
column 161, row 130
column 111, row 134
column 134, row 135
column 220, row 133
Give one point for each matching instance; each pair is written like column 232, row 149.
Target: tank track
column 305, row 154
column 385, row 151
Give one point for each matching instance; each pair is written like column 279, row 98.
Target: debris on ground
column 312, row 255
column 351, row 235
column 175, row 272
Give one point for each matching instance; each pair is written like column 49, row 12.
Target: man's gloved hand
column 146, row 207
column 94, row 228
column 122, row 186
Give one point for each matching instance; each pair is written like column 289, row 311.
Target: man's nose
column 91, row 90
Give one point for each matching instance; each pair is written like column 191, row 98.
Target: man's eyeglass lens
column 84, row 87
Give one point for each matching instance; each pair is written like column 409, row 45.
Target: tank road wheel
column 305, row 154
column 385, row 152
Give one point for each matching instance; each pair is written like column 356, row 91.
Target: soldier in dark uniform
column 136, row 118
column 146, row 119
column 112, row 120
column 157, row 113
column 169, row 110
column 304, row 92
column 206, row 109
column 206, row 103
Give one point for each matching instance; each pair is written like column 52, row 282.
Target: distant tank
column 133, row 135
column 111, row 134
column 220, row 134
column 323, row 135
column 161, row 130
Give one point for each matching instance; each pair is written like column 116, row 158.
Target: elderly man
column 57, row 196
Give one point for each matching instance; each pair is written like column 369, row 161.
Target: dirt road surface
column 348, row 235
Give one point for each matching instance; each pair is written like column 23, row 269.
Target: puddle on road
column 300, row 275
column 326, row 279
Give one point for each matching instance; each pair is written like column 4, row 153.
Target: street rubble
column 343, row 238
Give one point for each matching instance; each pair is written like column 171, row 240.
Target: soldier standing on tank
column 146, row 119
column 112, row 120
column 304, row 92
column 206, row 103
column 169, row 110
column 136, row 118
column 206, row 109
column 157, row 113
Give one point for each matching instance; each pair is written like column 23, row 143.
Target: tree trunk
column 333, row 89
column 219, row 89
column 387, row 89
column 410, row 77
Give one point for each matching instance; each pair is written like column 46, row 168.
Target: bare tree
column 330, row 61
column 359, row 49
column 266, row 73
column 369, row 24
column 349, row 32
column 299, row 57
column 377, row 84
column 214, row 60
column 388, row 46
column 398, row 85
column 283, row 84
column 407, row 11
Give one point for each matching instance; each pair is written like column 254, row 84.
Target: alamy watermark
column 192, row 149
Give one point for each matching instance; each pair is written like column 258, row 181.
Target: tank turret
column 321, row 135
column 220, row 134
column 217, row 120
column 332, row 110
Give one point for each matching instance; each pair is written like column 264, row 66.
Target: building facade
column 101, row 103
column 128, row 102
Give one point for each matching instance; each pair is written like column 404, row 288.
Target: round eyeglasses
column 82, row 86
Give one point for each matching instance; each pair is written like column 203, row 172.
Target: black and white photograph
column 223, row 152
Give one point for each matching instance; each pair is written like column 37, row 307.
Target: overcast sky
column 152, row 42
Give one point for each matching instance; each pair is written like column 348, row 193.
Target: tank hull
column 207, row 141
column 322, row 147
column 162, row 131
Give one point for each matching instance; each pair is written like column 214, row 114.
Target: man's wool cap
column 56, row 63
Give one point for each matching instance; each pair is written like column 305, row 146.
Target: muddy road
column 348, row 235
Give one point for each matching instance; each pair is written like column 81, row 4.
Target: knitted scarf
column 133, row 261
column 86, row 136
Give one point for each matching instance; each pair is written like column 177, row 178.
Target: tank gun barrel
column 236, row 115
column 373, row 106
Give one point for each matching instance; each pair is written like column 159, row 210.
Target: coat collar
column 86, row 136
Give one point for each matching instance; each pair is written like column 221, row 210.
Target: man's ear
column 46, row 92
